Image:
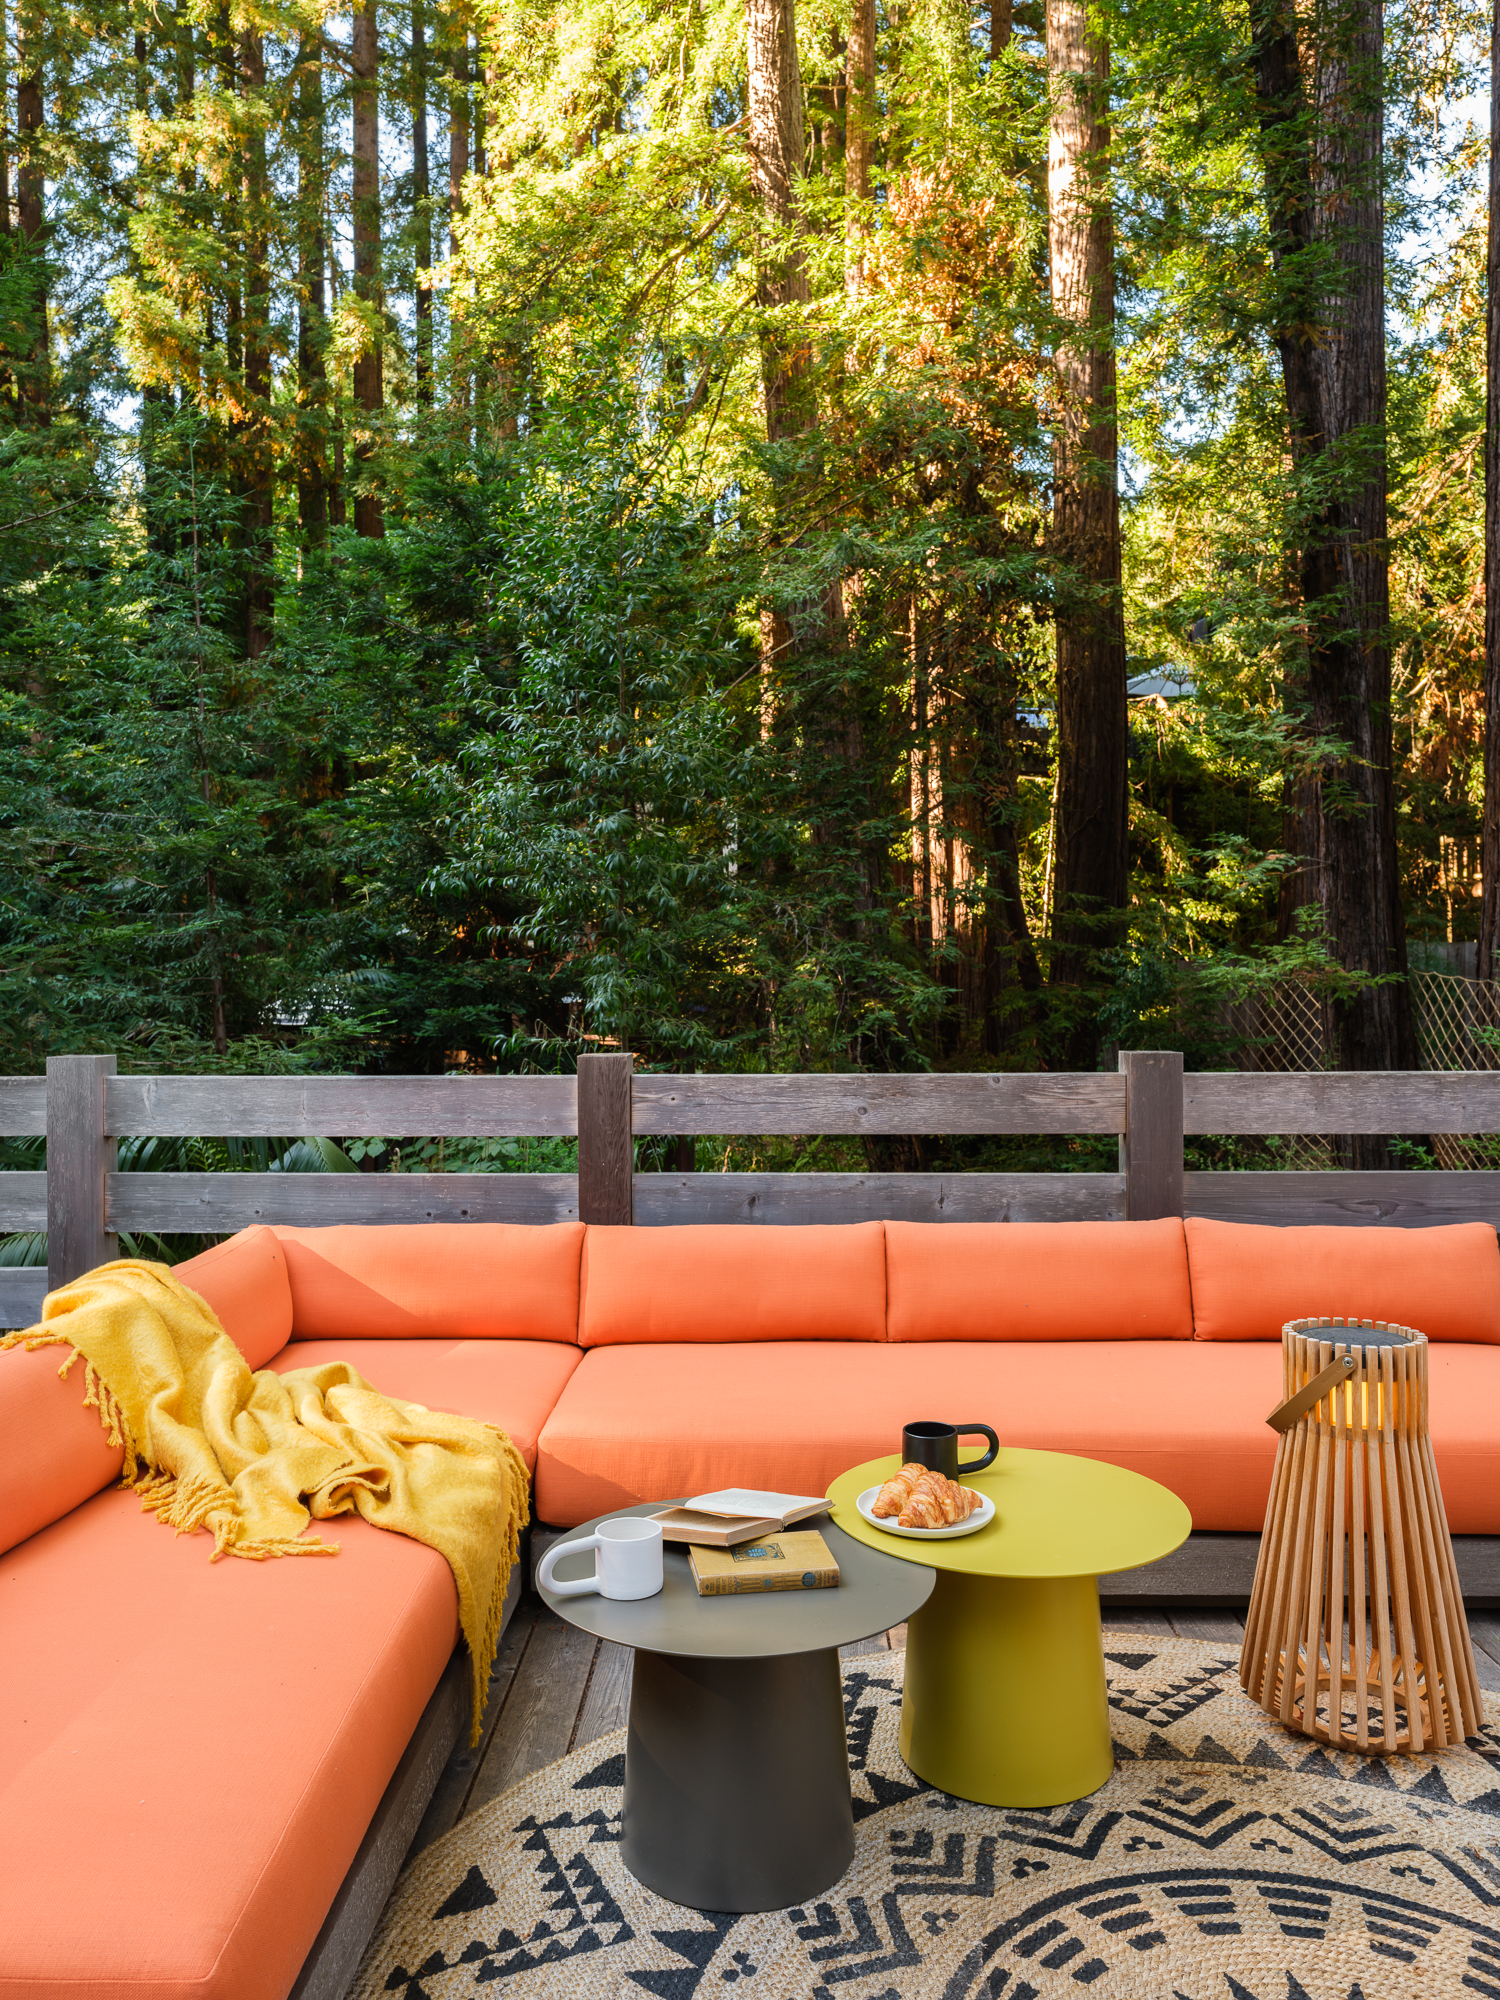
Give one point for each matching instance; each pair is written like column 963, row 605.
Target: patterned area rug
column 1224, row 1860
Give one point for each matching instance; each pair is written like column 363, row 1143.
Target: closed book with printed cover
column 801, row 1561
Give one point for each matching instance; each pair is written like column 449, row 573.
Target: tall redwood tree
column 369, row 383
column 1090, row 867
column 1489, row 919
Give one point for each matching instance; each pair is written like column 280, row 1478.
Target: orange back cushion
column 1249, row 1279
column 1037, row 1281
column 53, row 1451
column 732, row 1281
column 462, row 1280
column 245, row 1282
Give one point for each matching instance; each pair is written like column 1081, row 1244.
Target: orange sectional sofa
column 190, row 1753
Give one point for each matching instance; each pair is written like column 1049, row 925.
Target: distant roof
column 1172, row 683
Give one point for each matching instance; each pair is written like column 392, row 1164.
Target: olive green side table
column 1005, row 1699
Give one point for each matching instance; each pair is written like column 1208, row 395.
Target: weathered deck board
column 451, row 1796
column 536, row 1725
column 606, row 1700
column 1484, row 1630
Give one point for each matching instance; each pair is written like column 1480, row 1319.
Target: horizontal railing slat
column 22, row 1289
column 23, row 1201
column 792, row 1198
column 1328, row 1101
column 218, row 1203
column 1403, row 1199
column 984, row 1101
column 338, row 1107
column 23, row 1107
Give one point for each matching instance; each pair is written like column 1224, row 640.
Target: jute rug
column 1224, row 1860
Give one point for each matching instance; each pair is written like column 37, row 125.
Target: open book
column 737, row 1514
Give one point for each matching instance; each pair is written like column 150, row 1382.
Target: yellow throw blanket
column 251, row 1457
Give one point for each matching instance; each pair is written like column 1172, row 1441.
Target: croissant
column 936, row 1502
column 897, row 1491
column 923, row 1510
column 947, row 1495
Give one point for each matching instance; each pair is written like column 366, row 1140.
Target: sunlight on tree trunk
column 369, row 389
column 1489, row 917
column 458, row 168
column 312, row 307
column 421, row 204
column 259, row 471
column 859, row 138
column 31, row 219
column 776, row 154
column 1090, row 865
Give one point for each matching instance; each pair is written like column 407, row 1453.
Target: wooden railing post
column 606, row 1140
column 79, row 1158
column 1151, row 1144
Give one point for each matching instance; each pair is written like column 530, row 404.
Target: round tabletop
column 1055, row 1515
column 874, row 1592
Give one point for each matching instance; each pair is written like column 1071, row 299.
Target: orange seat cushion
column 721, row 1281
column 53, row 1451
column 1037, row 1281
column 647, row 1423
column 190, row 1752
column 512, row 1383
column 245, row 1282
column 407, row 1281
column 1249, row 1279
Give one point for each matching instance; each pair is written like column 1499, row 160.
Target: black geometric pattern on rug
column 1223, row 1858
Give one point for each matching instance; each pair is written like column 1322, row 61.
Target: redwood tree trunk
column 312, row 299
column 5, row 137
column 258, row 474
column 1090, row 867
column 422, row 203
column 369, row 389
column 859, row 138
column 1349, row 670
column 458, row 168
column 1489, row 918
column 31, row 220
column 1325, row 205
column 1286, row 160
column 776, row 160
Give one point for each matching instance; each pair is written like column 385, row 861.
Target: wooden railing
column 84, row 1108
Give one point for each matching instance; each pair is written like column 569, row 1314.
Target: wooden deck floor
column 555, row 1689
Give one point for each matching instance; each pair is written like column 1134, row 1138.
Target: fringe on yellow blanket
column 254, row 1457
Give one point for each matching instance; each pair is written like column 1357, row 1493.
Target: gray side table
column 736, row 1771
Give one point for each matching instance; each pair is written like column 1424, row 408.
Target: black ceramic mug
column 936, row 1446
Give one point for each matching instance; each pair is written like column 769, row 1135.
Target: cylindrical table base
column 1005, row 1701
column 737, row 1780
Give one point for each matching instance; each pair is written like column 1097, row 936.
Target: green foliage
column 633, row 727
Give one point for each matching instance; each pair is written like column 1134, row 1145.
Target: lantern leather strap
column 1286, row 1414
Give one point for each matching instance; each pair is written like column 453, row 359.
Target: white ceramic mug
column 627, row 1562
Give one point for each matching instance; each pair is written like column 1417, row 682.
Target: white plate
column 980, row 1518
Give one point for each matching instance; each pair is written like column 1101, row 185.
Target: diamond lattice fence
column 1290, row 1029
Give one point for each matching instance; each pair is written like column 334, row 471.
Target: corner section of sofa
column 192, row 1751
column 193, row 1754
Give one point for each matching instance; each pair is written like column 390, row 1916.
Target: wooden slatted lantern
column 1356, row 1632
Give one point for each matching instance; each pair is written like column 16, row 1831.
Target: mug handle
column 977, row 1464
column 554, row 1555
